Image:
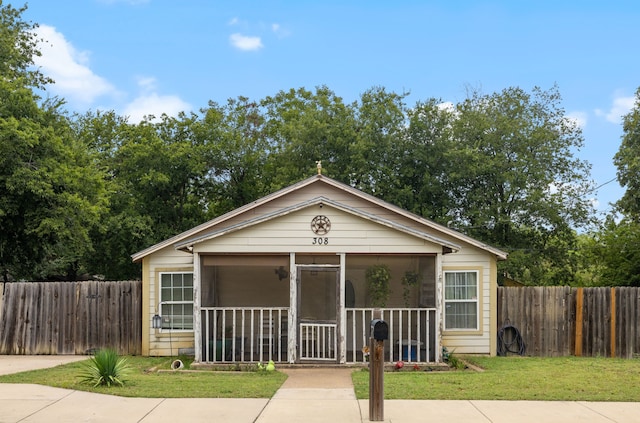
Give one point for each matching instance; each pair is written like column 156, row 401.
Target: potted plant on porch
column 410, row 280
column 378, row 277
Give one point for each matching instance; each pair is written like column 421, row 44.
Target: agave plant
column 106, row 368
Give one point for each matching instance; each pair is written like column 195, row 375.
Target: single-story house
column 295, row 276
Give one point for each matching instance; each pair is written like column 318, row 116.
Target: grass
column 143, row 380
column 504, row 378
column 517, row 378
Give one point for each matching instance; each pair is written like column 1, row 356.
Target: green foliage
column 378, row 277
column 302, row 127
column 105, row 368
column 627, row 160
column 410, row 280
column 452, row 360
column 521, row 189
column 18, row 47
column 81, row 194
column 53, row 193
column 617, row 251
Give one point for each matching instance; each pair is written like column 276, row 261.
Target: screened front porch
column 317, row 309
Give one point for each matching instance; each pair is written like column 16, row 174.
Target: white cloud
column 234, row 21
column 74, row 80
column 244, row 42
column 149, row 102
column 279, row 31
column 147, row 83
column 620, row 107
column 156, row 105
column 578, row 118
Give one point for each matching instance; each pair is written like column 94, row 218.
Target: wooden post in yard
column 376, row 380
column 376, row 376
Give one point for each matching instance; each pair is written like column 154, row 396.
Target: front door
column 318, row 312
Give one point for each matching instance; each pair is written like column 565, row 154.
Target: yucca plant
column 106, row 368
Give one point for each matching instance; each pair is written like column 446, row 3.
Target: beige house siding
column 292, row 232
column 161, row 343
column 473, row 342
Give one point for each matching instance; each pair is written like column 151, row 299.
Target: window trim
column 477, row 301
column 159, row 274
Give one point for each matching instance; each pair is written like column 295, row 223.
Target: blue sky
column 141, row 57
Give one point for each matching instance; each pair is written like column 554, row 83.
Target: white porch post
column 342, row 342
column 293, row 308
column 197, row 324
column 439, row 307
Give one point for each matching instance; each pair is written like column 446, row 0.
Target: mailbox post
column 379, row 333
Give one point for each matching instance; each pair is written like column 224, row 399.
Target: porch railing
column 412, row 334
column 244, row 334
column 260, row 334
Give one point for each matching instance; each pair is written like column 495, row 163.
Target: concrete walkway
column 308, row 395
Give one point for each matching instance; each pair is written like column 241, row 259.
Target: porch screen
column 461, row 300
column 176, row 301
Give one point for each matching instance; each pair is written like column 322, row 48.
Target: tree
column 232, row 136
column 380, row 119
column 18, row 47
column 617, row 251
column 500, row 168
column 521, row 188
column 123, row 229
column 158, row 183
column 627, row 160
column 51, row 195
column 424, row 168
column 303, row 127
column 618, row 246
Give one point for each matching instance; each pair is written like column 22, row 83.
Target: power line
column 600, row 186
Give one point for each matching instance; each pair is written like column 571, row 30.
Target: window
column 176, row 301
column 461, row 300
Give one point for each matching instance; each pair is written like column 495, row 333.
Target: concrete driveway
column 22, row 363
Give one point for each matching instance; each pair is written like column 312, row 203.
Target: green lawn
column 144, row 380
column 517, row 378
column 504, row 378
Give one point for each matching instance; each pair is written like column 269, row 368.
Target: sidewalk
column 308, row 395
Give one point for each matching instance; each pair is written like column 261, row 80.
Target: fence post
column 579, row 308
column 613, row 321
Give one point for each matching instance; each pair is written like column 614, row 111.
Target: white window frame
column 474, row 300
column 166, row 319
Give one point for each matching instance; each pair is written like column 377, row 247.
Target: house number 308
column 320, row 241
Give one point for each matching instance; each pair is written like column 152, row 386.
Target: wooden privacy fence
column 560, row 321
column 71, row 317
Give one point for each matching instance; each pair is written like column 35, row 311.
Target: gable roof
column 195, row 235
